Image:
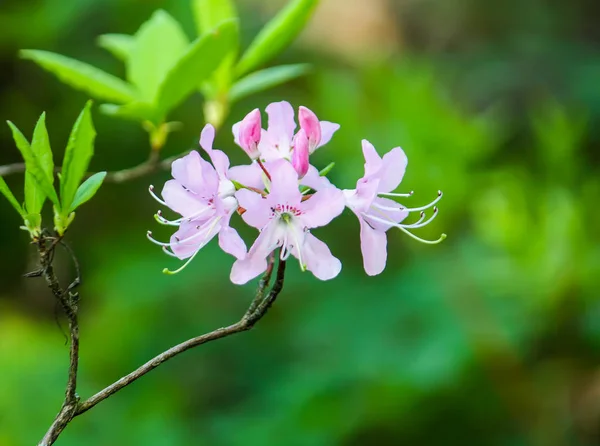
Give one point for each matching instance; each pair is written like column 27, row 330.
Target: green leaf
column 119, row 45
column 210, row 13
column 198, row 62
column 265, row 79
column 159, row 44
column 277, row 34
column 77, row 157
column 82, row 76
column 5, row 190
column 137, row 111
column 87, row 190
column 32, row 165
column 40, row 147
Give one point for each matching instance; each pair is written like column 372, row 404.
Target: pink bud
column 250, row 130
column 300, row 153
column 311, row 126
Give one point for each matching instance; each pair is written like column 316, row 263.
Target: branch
column 69, row 302
column 250, row 318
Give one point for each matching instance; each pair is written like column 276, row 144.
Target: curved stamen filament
column 391, row 194
column 389, row 208
column 182, row 267
column 163, row 221
column 179, row 242
column 156, row 197
column 421, row 223
column 422, row 208
column 419, row 239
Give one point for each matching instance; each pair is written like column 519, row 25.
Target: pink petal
column 327, row 131
column 220, row 161
column 311, row 126
column 250, row 175
column 258, row 211
column 281, row 121
column 235, row 129
column 366, row 192
column 231, row 242
column 372, row 158
column 373, row 244
column 250, row 133
column 392, row 170
column 183, row 201
column 207, row 137
column 322, row 207
column 284, row 184
column 300, row 154
column 318, row 258
column 313, row 180
column 182, row 243
column 394, row 216
column 255, row 262
column 196, row 174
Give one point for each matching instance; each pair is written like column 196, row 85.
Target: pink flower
column 277, row 141
column 300, row 154
column 250, row 133
column 204, row 196
column 284, row 220
column 377, row 214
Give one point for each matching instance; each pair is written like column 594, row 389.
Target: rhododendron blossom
column 378, row 214
column 284, row 197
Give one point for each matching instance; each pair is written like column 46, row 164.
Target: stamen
column 182, row 267
column 421, row 223
column 390, row 194
column 296, row 240
column 151, row 190
column 419, row 239
column 179, row 241
column 171, row 253
column 422, row 208
column 163, row 221
column 388, row 208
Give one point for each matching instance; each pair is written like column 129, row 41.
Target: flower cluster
column 283, row 196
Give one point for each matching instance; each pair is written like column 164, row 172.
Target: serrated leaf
column 264, row 79
column 32, row 165
column 197, row 64
column 82, row 76
column 137, row 111
column 5, row 190
column 119, row 45
column 77, row 157
column 277, row 34
column 87, row 190
column 159, row 44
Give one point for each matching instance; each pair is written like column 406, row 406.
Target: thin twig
column 245, row 323
column 68, row 301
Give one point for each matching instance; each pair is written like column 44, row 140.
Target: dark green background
column 491, row 338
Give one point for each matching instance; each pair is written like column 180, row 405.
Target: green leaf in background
column 77, row 157
column 82, row 76
column 32, row 165
column 87, row 190
column 198, row 62
column 4, row 189
column 210, row 13
column 277, row 34
column 265, row 79
column 119, row 45
column 137, row 111
column 159, row 44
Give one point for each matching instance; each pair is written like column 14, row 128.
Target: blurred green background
column 491, row 338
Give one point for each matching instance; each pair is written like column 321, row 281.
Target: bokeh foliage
column 491, row 338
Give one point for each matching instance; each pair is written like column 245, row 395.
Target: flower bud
column 250, row 132
column 311, row 126
column 300, row 154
